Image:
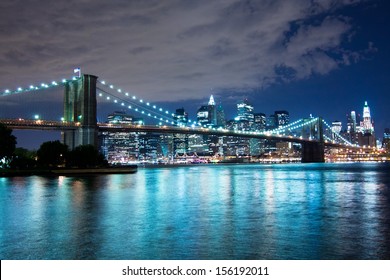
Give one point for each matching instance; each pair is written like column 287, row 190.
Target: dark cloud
column 165, row 50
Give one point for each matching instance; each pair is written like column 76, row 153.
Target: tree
column 23, row 159
column 52, row 154
column 86, row 156
column 7, row 145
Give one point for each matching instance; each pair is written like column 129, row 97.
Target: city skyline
column 324, row 58
column 270, row 120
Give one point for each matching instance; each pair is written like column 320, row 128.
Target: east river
column 286, row 211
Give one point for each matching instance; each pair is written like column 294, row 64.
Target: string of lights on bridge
column 138, row 105
column 291, row 126
column 337, row 134
column 41, row 86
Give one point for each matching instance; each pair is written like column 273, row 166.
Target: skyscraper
column 181, row 117
column 245, row 112
column 282, row 118
column 271, row 122
column 351, row 122
column 367, row 124
column 212, row 112
column 221, row 120
column 121, row 147
column 386, row 140
column 207, row 114
column 260, row 121
column 367, row 135
column 336, row 128
column 203, row 116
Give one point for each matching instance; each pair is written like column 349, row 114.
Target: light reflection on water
column 296, row 211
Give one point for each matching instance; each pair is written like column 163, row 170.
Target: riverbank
column 70, row 171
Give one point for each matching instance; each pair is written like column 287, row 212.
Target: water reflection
column 297, row 211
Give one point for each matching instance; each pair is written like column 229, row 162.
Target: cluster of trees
column 49, row 155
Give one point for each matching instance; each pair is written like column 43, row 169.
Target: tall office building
column 367, row 135
column 282, row 118
column 271, row 122
column 212, row 111
column 386, row 140
column 245, row 116
column 149, row 147
column 221, row 119
column 351, row 122
column 367, row 124
column 245, row 112
column 260, row 121
column 121, row 147
column 203, row 116
column 181, row 117
column 336, row 129
column 353, row 127
column 207, row 114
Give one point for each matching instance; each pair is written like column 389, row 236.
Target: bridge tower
column 313, row 151
column 80, row 107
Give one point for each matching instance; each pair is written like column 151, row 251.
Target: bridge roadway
column 26, row 124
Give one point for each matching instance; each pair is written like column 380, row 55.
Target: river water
column 288, row 211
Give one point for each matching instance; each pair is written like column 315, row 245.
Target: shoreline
column 128, row 169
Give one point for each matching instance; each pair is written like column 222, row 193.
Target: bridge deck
column 60, row 125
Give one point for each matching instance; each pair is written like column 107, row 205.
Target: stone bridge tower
column 80, row 107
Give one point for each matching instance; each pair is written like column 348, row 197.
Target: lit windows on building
column 336, row 129
column 207, row 114
column 271, row 122
column 260, row 122
column 181, row 117
column 221, row 120
column 367, row 124
column 386, row 140
column 282, row 118
column 245, row 111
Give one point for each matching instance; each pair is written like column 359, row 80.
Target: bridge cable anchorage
column 42, row 86
column 346, row 142
column 154, row 111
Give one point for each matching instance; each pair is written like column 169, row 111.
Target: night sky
column 308, row 57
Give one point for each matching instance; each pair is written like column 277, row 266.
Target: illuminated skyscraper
column 260, row 121
column 271, row 122
column 245, row 112
column 351, row 122
column 221, row 121
column 181, row 117
column 336, row 128
column 121, row 147
column 203, row 116
column 386, row 140
column 282, row 118
column 367, row 125
column 207, row 114
column 212, row 111
column 367, row 135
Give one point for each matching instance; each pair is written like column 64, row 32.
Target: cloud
column 174, row 50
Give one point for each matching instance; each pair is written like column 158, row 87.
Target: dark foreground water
column 294, row 211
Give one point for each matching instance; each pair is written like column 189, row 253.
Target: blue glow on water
column 293, row 211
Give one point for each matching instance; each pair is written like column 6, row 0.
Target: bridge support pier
column 80, row 107
column 313, row 152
